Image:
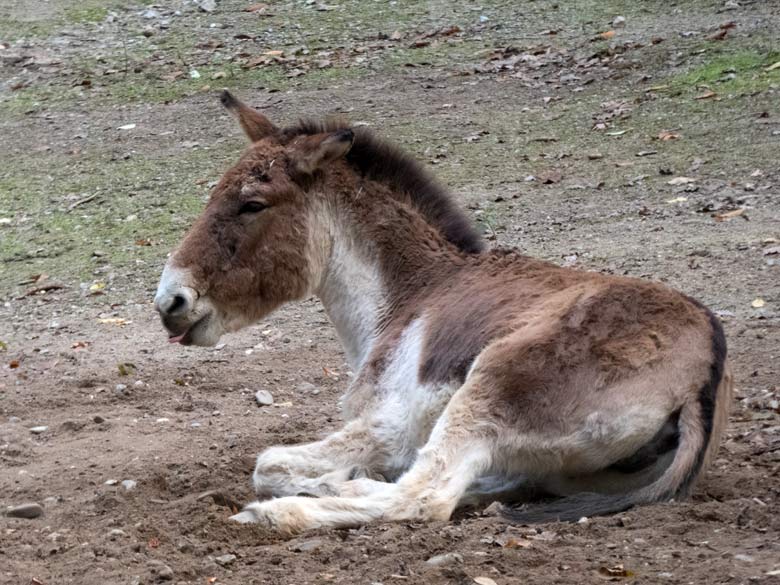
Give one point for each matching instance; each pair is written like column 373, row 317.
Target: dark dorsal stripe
column 382, row 162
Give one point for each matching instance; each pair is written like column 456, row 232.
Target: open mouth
column 186, row 337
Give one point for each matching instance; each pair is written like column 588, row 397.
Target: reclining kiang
column 480, row 375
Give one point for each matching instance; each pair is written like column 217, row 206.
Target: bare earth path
column 646, row 145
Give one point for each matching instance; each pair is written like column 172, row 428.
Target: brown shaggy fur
column 566, row 374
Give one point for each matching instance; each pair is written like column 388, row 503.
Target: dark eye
column 252, row 207
column 261, row 175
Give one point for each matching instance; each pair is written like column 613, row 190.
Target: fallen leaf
column 154, row 542
column 718, row 36
column 484, row 581
column 259, row 7
column 79, row 344
column 143, row 242
column 618, row 571
column 606, row 35
column 706, row 95
column 3, row 346
column 14, row 364
column 97, row 288
column 758, row 303
column 126, row 368
column 115, row 321
column 681, row 181
column 727, row 215
column 518, row 543
column 668, row 136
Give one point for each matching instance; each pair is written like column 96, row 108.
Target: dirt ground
column 646, row 145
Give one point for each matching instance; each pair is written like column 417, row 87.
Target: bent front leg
column 317, row 469
column 456, row 454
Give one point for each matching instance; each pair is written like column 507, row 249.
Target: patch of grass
column 82, row 14
column 137, row 201
column 741, row 72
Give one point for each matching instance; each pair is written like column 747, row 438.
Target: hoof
column 245, row 517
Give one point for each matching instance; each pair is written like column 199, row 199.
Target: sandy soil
column 557, row 140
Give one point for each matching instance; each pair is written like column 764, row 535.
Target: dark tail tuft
column 569, row 509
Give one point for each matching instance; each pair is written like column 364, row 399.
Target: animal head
column 255, row 245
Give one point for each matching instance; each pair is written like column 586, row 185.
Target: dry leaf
column 668, row 135
column 259, row 7
column 518, row 543
column 718, row 36
column 143, row 242
column 758, row 303
column 706, row 95
column 618, row 571
column 14, row 364
column 79, row 344
column 680, row 181
column 726, row 215
column 607, row 34
column 484, row 581
column 115, row 321
column 154, row 542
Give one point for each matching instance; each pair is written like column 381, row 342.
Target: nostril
column 177, row 303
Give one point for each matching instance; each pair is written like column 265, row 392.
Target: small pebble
column 163, row 420
column 162, row 571
column 116, row 533
column 38, row 430
column 444, row 559
column 14, row 419
column 111, row 481
column 619, row 22
column 264, row 398
column 225, row 560
column 30, row 510
column 307, row 546
column 129, row 484
column 307, row 388
column 97, row 419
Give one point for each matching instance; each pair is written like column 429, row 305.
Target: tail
column 702, row 420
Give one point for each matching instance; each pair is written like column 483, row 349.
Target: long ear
column 255, row 125
column 314, row 152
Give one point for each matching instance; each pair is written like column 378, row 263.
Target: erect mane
column 387, row 164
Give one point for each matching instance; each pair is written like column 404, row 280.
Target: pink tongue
column 177, row 338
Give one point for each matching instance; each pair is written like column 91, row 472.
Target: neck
column 381, row 256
